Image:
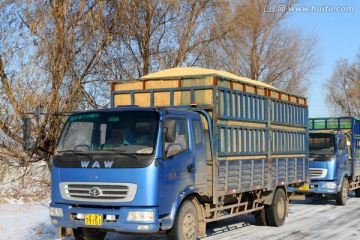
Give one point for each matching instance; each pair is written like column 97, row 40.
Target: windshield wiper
column 121, row 152
column 77, row 152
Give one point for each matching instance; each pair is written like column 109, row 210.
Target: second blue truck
column 334, row 161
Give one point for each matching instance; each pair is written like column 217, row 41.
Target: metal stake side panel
column 262, row 142
column 260, row 139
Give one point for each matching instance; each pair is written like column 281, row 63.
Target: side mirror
column 170, row 130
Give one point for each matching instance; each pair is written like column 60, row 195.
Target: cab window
column 181, row 142
column 197, row 132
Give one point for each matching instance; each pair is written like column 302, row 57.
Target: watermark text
column 273, row 8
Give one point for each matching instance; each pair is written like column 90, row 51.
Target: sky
column 338, row 31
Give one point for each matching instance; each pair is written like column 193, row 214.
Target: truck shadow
column 212, row 229
column 227, row 225
column 316, row 200
column 321, row 200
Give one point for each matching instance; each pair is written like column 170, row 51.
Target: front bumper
column 320, row 187
column 121, row 224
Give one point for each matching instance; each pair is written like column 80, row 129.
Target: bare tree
column 260, row 46
column 343, row 88
column 61, row 54
column 161, row 34
column 54, row 60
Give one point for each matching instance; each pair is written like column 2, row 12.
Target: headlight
column 140, row 216
column 56, row 212
column 329, row 185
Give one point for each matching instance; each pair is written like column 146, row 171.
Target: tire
column 186, row 223
column 260, row 217
column 88, row 234
column 276, row 212
column 342, row 195
column 357, row 193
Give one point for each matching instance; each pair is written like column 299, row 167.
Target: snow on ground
column 315, row 218
column 25, row 221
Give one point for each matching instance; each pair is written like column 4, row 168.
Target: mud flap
column 202, row 229
column 201, row 218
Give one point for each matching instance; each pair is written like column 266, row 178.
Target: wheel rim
column 280, row 208
column 189, row 226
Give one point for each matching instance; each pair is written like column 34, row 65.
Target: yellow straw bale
column 122, row 99
column 142, row 99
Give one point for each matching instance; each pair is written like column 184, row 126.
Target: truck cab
column 328, row 162
column 333, row 160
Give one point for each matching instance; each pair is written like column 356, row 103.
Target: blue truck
column 334, row 161
column 178, row 149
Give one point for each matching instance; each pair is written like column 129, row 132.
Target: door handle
column 190, row 168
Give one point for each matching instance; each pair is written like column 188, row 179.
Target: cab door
column 344, row 165
column 176, row 171
column 200, row 155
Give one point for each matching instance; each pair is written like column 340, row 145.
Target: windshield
column 322, row 144
column 130, row 132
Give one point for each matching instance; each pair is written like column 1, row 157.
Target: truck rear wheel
column 342, row 195
column 276, row 212
column 186, row 223
column 88, row 234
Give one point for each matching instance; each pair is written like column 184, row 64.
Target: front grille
column 100, row 192
column 318, row 172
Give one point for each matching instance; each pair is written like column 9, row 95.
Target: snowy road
column 315, row 218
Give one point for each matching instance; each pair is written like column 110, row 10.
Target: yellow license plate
column 93, row 219
column 304, row 187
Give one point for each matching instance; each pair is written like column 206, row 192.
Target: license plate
column 304, row 187
column 93, row 219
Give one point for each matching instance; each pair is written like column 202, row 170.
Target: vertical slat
column 171, row 98
column 293, row 119
column 261, row 115
column 257, row 100
column 224, row 106
column 231, row 140
column 237, row 105
column 246, row 107
column 241, row 105
column 278, row 119
column 231, row 103
column 237, row 140
column 247, row 140
column 132, row 94
column 242, row 140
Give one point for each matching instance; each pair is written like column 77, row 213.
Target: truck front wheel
column 342, row 195
column 276, row 212
column 186, row 223
column 88, row 234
